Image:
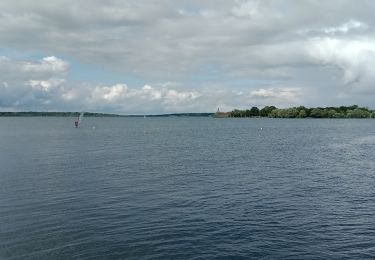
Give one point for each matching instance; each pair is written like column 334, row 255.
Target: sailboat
column 79, row 119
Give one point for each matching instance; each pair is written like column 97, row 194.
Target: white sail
column 80, row 117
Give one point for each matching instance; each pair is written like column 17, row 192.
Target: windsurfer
column 79, row 120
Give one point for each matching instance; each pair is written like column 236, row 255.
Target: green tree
column 265, row 111
column 339, row 115
column 273, row 113
column 302, row 114
column 316, row 113
column 235, row 113
column 358, row 113
column 331, row 113
column 254, row 111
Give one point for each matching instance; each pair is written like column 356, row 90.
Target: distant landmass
column 60, row 114
column 183, row 114
column 89, row 114
column 353, row 111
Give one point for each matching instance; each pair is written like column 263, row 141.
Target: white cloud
column 285, row 94
column 346, row 27
column 46, row 85
column 47, row 88
column 355, row 58
column 148, row 98
column 218, row 50
column 28, row 83
column 47, row 64
column 173, row 97
column 246, row 9
column 20, row 70
column 351, row 26
column 69, row 95
column 109, row 94
column 148, row 92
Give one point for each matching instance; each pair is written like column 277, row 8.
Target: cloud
column 109, row 94
column 285, row 94
column 166, row 38
column 28, row 83
column 354, row 58
column 280, row 51
column 42, row 85
column 160, row 98
column 246, row 9
column 347, row 27
column 45, row 85
column 148, row 38
column 169, row 98
column 19, row 70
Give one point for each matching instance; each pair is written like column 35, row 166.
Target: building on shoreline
column 219, row 114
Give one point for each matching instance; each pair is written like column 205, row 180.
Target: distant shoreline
column 89, row 114
column 353, row 111
column 343, row 112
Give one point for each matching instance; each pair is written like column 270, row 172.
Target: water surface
column 187, row 188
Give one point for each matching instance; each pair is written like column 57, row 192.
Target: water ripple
column 192, row 188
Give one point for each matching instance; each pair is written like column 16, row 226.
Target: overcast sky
column 138, row 56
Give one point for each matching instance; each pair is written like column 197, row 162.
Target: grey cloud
column 164, row 39
column 26, row 70
column 30, row 83
column 288, row 41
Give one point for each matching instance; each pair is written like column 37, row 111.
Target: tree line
column 353, row 111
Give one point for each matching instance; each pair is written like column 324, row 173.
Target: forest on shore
column 353, row 111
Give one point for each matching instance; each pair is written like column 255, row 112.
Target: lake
column 187, row 188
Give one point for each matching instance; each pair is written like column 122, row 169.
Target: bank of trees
column 303, row 112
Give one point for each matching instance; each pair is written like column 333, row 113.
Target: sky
column 175, row 56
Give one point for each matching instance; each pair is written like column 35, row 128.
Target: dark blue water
column 187, row 188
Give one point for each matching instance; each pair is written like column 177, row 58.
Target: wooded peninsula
column 353, row 111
